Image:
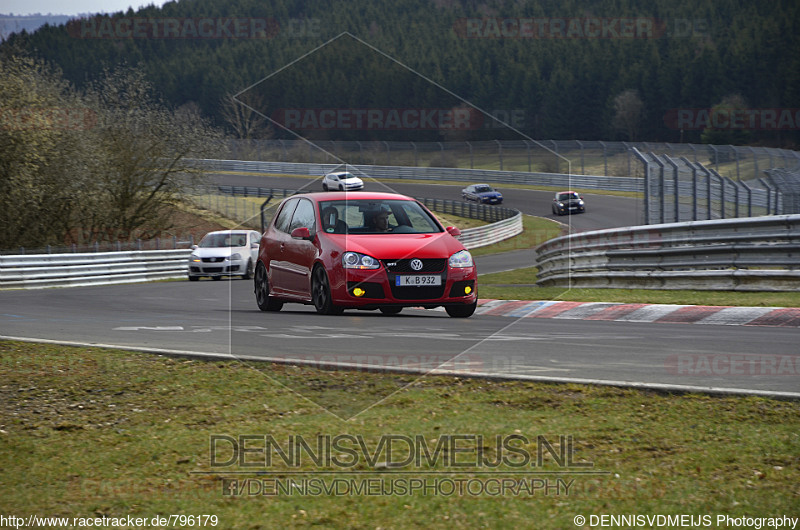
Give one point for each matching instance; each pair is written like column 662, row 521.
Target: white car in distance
column 342, row 181
column 225, row 253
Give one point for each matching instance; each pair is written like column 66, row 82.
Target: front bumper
column 458, row 286
column 219, row 268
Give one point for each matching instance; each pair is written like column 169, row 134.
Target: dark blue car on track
column 482, row 193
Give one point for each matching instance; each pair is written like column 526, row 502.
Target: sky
column 71, row 7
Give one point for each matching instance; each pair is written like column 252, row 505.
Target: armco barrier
column 747, row 254
column 505, row 222
column 31, row 271
column 555, row 180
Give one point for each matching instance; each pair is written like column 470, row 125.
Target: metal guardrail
column 554, row 180
column 587, row 157
column 748, row 254
column 505, row 222
column 35, row 271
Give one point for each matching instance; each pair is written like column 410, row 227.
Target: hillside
column 557, row 65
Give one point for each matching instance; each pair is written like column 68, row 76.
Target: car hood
column 216, row 252
column 399, row 246
column 489, row 194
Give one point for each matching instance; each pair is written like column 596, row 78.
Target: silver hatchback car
column 225, row 253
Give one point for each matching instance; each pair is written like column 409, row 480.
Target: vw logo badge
column 416, row 264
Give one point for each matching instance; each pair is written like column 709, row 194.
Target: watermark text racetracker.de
column 579, row 28
column 126, row 521
column 733, row 364
column 208, row 28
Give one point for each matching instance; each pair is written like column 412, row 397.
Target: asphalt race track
column 221, row 318
column 602, row 211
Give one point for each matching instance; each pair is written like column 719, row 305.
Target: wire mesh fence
column 544, row 156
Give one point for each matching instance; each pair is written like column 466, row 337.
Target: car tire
column 216, row 278
column 321, row 293
column 324, row 186
column 248, row 273
column 341, row 188
column 194, row 278
column 390, row 310
column 461, row 311
column 261, row 283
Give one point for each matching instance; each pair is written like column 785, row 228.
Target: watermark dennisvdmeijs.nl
column 352, row 464
column 347, row 452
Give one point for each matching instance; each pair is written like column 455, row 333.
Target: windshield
column 483, row 189
column 223, row 239
column 568, row 197
column 377, row 216
column 346, row 176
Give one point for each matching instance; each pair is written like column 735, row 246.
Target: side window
column 254, row 238
column 285, row 215
column 304, row 216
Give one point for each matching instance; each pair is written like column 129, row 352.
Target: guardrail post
column 722, row 192
column 769, row 193
column 695, row 189
column 676, row 184
column 749, row 199
column 662, row 189
column 646, row 165
column 605, row 159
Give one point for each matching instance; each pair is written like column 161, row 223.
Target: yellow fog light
column 467, row 289
column 358, row 291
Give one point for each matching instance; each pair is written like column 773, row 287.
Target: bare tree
column 247, row 123
column 628, row 112
column 79, row 167
column 146, row 151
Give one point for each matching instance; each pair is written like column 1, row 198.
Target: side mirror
column 194, row 247
column 301, row 232
column 453, row 231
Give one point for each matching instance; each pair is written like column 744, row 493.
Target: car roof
column 237, row 232
column 565, row 191
column 352, row 195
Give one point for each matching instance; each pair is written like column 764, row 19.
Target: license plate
column 417, row 280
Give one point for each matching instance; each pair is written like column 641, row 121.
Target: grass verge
column 101, row 433
column 520, row 285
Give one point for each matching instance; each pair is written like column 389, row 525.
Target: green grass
column 520, row 285
column 536, row 230
column 90, row 433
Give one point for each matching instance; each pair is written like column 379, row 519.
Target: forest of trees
column 569, row 79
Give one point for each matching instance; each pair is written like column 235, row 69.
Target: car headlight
column 235, row 256
column 580, row 203
column 194, row 258
column 461, row 259
column 560, row 204
column 354, row 260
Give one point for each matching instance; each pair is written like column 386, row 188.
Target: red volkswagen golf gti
column 363, row 251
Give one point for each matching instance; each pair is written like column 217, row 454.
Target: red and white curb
column 660, row 313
